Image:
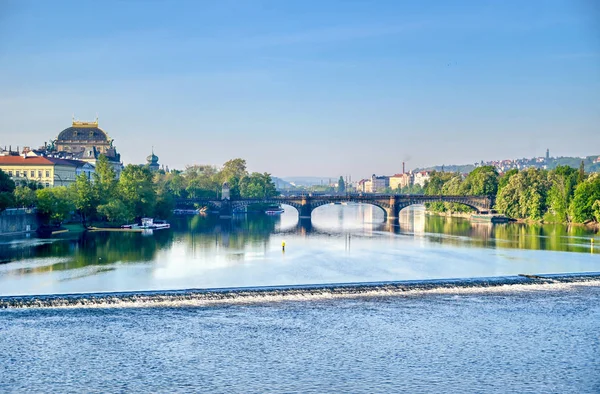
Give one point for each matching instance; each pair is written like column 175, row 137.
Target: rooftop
column 39, row 160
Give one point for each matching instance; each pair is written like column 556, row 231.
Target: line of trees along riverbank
column 137, row 193
column 561, row 195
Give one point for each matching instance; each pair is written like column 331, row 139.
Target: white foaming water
column 200, row 298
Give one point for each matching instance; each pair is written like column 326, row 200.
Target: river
column 427, row 304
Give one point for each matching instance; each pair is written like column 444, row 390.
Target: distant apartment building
column 46, row 171
column 398, row 181
column 420, row 178
column 361, row 185
column 378, row 184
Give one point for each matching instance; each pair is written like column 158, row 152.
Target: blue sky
column 318, row 88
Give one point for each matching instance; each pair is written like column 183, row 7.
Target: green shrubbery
column 563, row 194
column 137, row 193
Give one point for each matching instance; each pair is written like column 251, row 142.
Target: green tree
column 525, row 195
column 165, row 204
column 202, row 181
column 25, row 197
column 596, row 210
column 258, row 185
column 562, row 180
column 412, row 189
column 233, row 168
column 482, row 181
column 7, row 187
column 581, row 174
column 54, row 204
column 503, row 180
column 584, row 199
column 6, row 201
column 341, row 185
column 453, row 187
column 105, row 180
column 116, row 211
column 435, row 187
column 84, row 197
column 136, row 190
column 6, row 184
column 233, row 172
column 165, row 197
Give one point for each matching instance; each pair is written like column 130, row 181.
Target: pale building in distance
column 379, row 183
column 421, row 177
column 398, row 181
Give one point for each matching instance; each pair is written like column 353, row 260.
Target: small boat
column 489, row 218
column 190, row 211
column 148, row 224
column 274, row 211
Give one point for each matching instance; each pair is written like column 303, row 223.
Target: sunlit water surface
column 342, row 244
column 416, row 334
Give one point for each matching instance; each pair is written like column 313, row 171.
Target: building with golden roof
column 86, row 141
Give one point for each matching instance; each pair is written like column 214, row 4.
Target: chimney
column 403, row 167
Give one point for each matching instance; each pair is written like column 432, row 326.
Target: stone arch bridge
column 391, row 204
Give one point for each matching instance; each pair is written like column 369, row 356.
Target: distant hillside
column 309, row 180
column 466, row 168
column 281, row 184
column 536, row 162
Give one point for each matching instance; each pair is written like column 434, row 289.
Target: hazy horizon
column 303, row 88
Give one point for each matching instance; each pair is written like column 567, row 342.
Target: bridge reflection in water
column 244, row 237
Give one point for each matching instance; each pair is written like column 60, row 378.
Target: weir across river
column 391, row 204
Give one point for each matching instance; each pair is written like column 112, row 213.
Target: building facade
column 46, row 171
column 379, row 183
column 421, row 177
column 83, row 141
column 398, row 181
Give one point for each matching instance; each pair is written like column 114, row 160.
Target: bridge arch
column 403, row 205
column 383, row 206
column 212, row 205
column 245, row 203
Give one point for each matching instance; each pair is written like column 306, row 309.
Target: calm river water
column 217, row 306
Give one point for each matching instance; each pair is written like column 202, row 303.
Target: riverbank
column 448, row 214
column 467, row 215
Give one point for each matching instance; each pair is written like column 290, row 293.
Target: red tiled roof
column 38, row 160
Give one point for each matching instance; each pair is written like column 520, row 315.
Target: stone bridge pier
column 306, row 208
column 392, row 211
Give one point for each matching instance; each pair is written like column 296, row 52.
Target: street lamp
column 62, row 181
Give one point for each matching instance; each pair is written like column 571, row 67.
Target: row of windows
column 76, row 133
column 47, row 184
column 30, row 174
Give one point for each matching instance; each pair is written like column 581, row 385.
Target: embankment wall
column 17, row 221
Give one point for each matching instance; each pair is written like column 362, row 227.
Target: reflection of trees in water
column 94, row 248
column 556, row 237
column 209, row 232
column 205, row 234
